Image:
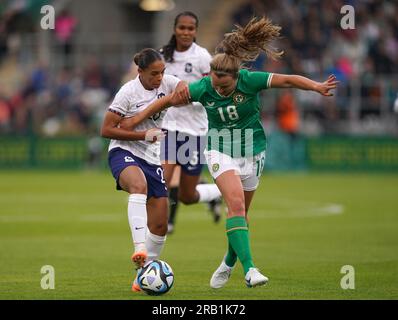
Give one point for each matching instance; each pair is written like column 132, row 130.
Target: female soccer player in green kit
column 230, row 96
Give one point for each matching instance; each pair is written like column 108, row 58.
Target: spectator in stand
column 312, row 39
column 65, row 27
column 5, row 114
column 3, row 40
column 287, row 114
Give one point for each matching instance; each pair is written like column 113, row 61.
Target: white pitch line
column 313, row 210
column 54, row 218
column 294, row 211
column 101, row 217
column 321, row 212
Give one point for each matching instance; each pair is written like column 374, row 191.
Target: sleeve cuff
column 269, row 80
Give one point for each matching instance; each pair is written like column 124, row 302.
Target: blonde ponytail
column 245, row 44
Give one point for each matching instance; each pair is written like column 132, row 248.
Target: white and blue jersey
column 187, row 125
column 132, row 99
column 190, row 66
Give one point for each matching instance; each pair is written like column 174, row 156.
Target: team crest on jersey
column 160, row 95
column 215, row 167
column 238, row 98
column 188, row 67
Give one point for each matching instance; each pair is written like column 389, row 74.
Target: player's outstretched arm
column 303, row 83
column 155, row 107
column 110, row 129
column 180, row 96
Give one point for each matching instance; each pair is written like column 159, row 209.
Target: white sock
column 138, row 220
column 154, row 245
column 208, row 192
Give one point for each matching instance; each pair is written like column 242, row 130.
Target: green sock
column 230, row 257
column 238, row 239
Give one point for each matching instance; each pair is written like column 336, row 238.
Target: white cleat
column 220, row 276
column 215, row 207
column 170, row 228
column 254, row 278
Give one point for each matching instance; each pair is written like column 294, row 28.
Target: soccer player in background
column 134, row 157
column 230, row 96
column 187, row 124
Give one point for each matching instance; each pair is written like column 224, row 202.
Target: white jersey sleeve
column 205, row 62
column 190, row 66
column 121, row 104
column 171, row 82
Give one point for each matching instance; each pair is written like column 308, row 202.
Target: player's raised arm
column 180, row 96
column 300, row 82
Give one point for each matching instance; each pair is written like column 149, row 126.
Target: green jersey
column 234, row 122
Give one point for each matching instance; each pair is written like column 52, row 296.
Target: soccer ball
column 155, row 278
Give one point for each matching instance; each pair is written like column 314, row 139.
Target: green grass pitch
column 304, row 229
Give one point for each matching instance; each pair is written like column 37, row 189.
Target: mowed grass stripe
column 77, row 222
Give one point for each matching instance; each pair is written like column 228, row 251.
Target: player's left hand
column 181, row 94
column 324, row 87
column 154, row 134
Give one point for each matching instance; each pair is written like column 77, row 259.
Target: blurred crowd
column 43, row 97
column 364, row 59
column 68, row 102
column 72, row 99
column 314, row 41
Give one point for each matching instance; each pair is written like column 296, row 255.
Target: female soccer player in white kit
column 134, row 157
column 187, row 125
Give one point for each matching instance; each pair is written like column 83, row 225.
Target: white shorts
column 249, row 169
